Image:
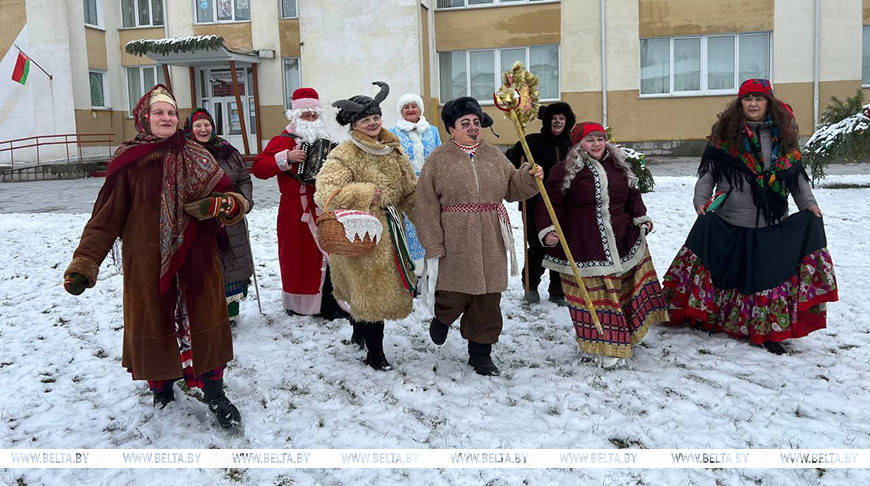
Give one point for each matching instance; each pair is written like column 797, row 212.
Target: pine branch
column 142, row 47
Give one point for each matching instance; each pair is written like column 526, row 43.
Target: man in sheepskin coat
column 548, row 147
column 463, row 226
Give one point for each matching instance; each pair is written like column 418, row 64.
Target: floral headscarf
column 189, row 173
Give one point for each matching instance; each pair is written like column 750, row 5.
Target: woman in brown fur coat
column 369, row 172
column 166, row 198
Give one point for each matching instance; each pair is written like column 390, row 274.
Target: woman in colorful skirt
column 746, row 268
column 236, row 258
column 596, row 199
column 418, row 139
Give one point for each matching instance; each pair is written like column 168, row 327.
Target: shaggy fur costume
column 371, row 284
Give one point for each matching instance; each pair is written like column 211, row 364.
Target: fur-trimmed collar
column 386, row 142
column 421, row 126
column 578, row 160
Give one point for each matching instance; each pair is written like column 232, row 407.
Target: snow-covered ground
column 300, row 384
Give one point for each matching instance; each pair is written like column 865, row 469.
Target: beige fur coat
column 471, row 248
column 371, row 283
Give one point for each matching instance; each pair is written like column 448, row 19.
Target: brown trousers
column 481, row 314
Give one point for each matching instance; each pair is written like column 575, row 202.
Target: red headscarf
column 582, row 129
column 761, row 86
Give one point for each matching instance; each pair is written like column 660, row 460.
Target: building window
column 865, row 64
column 139, row 80
column 477, row 73
column 92, row 13
column 288, row 9
column 98, row 89
column 142, row 13
column 210, row 11
column 292, row 79
column 480, row 3
column 714, row 64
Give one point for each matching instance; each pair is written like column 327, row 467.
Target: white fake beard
column 310, row 131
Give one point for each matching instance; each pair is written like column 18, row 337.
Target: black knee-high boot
column 164, row 396
column 373, row 332
column 479, row 358
column 227, row 414
column 357, row 337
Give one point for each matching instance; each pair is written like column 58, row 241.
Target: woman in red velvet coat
column 595, row 196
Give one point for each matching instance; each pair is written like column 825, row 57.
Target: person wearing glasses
column 465, row 230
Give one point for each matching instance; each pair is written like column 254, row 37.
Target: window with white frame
column 480, row 3
column 211, row 11
column 288, row 9
column 707, row 64
column 93, row 16
column 139, row 80
column 142, row 13
column 292, row 79
column 477, row 73
column 865, row 64
column 98, row 89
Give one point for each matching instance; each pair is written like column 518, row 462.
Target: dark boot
column 162, row 398
column 374, row 337
column 560, row 301
column 333, row 312
column 774, row 348
column 329, row 308
column 478, row 357
column 227, row 414
column 357, row 336
column 438, row 331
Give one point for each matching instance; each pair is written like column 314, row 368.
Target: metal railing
column 79, row 139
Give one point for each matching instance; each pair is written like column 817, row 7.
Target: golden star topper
column 518, row 93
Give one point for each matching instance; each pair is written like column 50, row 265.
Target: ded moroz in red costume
column 303, row 265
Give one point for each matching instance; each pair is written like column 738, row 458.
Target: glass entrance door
column 218, row 97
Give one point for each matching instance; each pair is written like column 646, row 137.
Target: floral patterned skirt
column 767, row 284
column 626, row 306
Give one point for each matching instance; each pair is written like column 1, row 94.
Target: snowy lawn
column 300, row 384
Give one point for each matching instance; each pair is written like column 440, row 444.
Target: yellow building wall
column 12, row 20
column 866, row 8
column 127, row 35
column 95, row 39
column 666, row 18
column 272, row 121
column 103, row 121
column 236, row 35
column 636, row 119
column 524, row 25
column 288, row 34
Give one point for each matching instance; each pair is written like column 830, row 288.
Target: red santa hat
column 306, row 99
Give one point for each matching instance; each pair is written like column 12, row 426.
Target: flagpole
column 31, row 60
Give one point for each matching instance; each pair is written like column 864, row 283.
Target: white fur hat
column 409, row 98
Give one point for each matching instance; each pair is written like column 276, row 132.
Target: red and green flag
column 22, row 67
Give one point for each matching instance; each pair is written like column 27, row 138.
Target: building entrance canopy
column 196, row 50
column 203, row 50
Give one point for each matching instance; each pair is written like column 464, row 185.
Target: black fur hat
column 360, row 106
column 545, row 114
column 456, row 109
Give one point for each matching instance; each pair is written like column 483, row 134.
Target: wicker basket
column 332, row 238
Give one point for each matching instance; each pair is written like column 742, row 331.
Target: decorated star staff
column 518, row 98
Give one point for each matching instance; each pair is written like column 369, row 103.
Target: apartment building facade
column 657, row 71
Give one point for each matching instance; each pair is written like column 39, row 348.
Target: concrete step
column 76, row 170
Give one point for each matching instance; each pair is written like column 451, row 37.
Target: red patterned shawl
column 189, row 173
